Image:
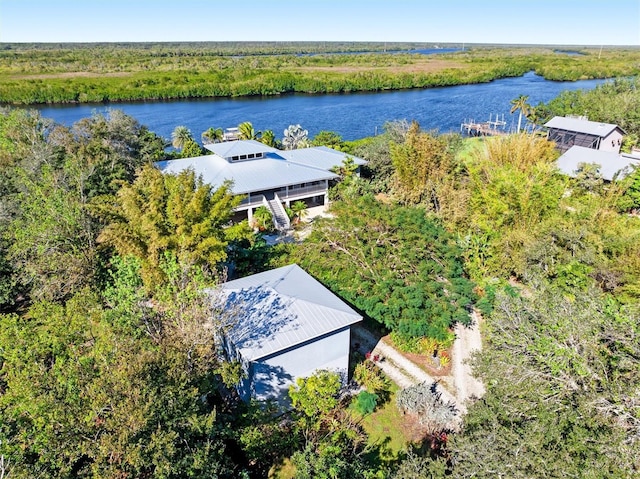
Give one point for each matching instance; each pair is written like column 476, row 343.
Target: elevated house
column 611, row 165
column 266, row 176
column 566, row 132
column 285, row 325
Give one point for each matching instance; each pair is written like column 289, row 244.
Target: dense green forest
column 108, row 362
column 67, row 73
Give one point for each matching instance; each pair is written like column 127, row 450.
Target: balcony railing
column 304, row 191
column 256, row 199
column 252, row 200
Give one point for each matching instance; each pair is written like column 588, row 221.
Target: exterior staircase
column 280, row 218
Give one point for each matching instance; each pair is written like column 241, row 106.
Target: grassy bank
column 36, row 74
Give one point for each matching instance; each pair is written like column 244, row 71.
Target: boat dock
column 485, row 128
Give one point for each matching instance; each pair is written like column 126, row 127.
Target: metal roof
column 282, row 308
column 582, row 126
column 319, row 157
column 247, row 176
column 227, row 149
column 609, row 162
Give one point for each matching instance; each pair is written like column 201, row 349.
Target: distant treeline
column 85, row 73
column 236, row 48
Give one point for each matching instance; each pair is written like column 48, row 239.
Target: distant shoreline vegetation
column 100, row 73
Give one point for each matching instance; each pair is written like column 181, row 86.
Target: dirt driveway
column 458, row 388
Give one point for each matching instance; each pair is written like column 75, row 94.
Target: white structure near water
column 611, row 165
column 566, row 132
column 287, row 325
column 266, row 176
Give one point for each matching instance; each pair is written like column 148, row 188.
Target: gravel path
column 399, row 369
column 405, row 373
column 468, row 341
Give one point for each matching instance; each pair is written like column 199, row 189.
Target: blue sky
column 565, row 22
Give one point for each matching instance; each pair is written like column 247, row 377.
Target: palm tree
column 246, row 131
column 299, row 210
column 181, row 136
column 295, row 137
column 212, row 135
column 520, row 104
column 263, row 219
column 269, row 138
column 347, row 169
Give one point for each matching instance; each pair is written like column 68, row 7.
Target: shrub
column 444, row 359
column 370, row 377
column 426, row 402
column 365, row 403
column 420, row 345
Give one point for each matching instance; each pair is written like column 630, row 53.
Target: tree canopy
column 176, row 214
column 562, row 396
column 109, row 365
column 111, row 386
column 394, row 263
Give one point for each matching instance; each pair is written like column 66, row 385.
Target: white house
column 569, row 131
column 610, row 164
column 288, row 325
column 266, row 176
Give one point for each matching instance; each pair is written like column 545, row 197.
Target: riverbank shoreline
column 352, row 116
column 101, row 74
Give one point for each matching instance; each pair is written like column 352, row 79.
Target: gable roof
column 609, row 162
column 582, row 126
column 319, row 157
column 280, row 309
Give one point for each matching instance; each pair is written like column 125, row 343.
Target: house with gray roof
column 566, row 132
column 320, row 157
column 611, row 165
column 286, row 325
column 266, row 176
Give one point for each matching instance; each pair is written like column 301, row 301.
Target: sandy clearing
column 468, row 341
column 405, row 373
column 433, row 66
column 401, row 370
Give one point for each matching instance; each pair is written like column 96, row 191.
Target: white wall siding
column 612, row 142
column 272, row 376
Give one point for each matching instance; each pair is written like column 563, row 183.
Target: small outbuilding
column 566, row 132
column 287, row 325
column 611, row 165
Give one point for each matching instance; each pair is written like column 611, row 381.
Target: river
column 353, row 115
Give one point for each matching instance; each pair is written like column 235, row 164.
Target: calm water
column 353, row 116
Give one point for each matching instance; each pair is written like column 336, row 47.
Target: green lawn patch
column 389, row 432
column 470, row 146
